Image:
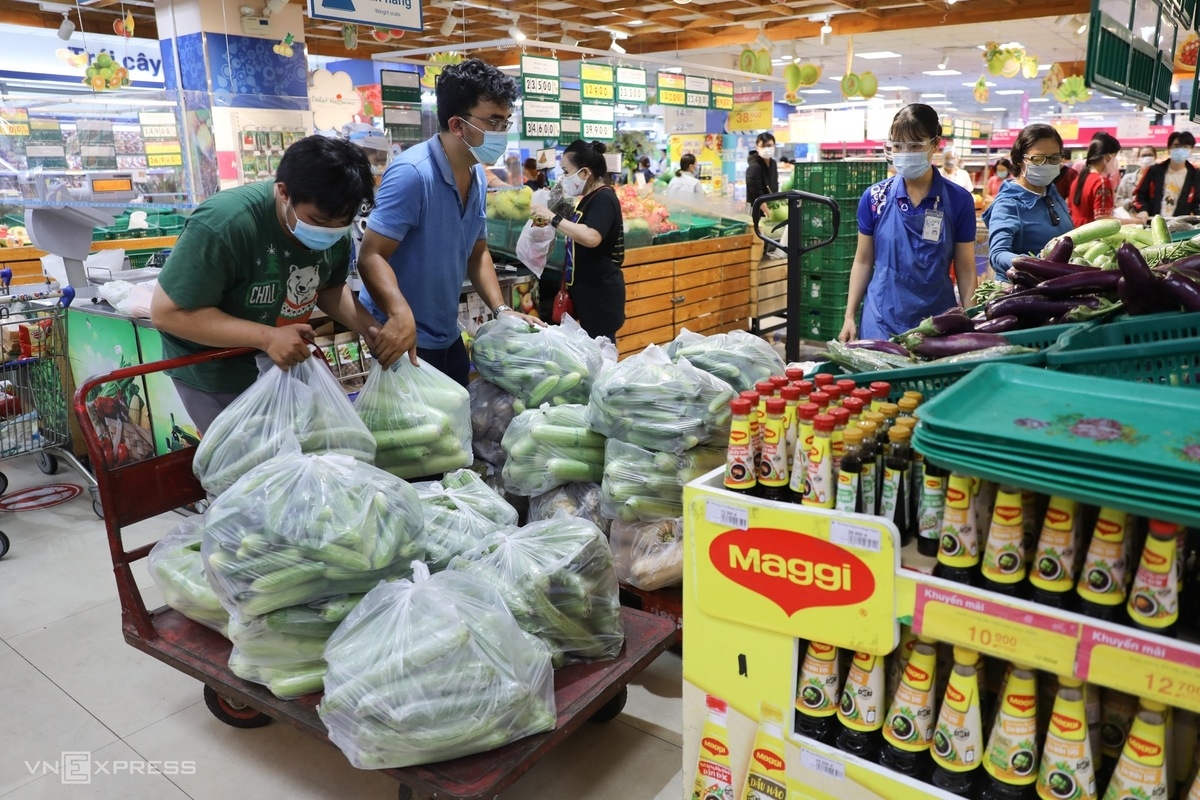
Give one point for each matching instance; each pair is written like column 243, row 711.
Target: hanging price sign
column 596, row 83
column 160, row 133
column 540, row 78
column 599, row 122
column 571, row 128
column 672, row 89
column 14, row 122
column 751, row 112
column 631, row 85
column 399, row 87
column 542, row 119
column 1141, row 665
column 697, row 92
column 722, row 95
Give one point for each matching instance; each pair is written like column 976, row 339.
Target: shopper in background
column 253, row 261
column 1170, row 187
column 1028, row 211
column 1091, row 195
column 762, row 176
column 428, row 229
column 534, row 178
column 910, row 228
column 595, row 240
column 512, row 170
column 644, row 168
column 1127, row 188
column 1004, row 170
column 952, row 171
column 685, row 184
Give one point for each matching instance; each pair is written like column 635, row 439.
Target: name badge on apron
column 932, row 231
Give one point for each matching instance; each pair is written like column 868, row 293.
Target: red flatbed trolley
column 144, row 489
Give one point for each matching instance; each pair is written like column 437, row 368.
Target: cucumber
column 288, row 577
column 1159, row 229
column 260, row 604
column 561, row 436
column 299, row 683
column 411, row 437
column 544, row 388
column 571, row 471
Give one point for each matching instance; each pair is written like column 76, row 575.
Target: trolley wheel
column 97, row 509
column 612, row 708
column 3, row 545
column 406, row 793
column 233, row 713
column 3, row 483
column 46, row 462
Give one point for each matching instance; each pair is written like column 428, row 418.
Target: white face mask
column 573, row 184
column 767, row 153
column 911, row 165
column 1041, row 174
column 1146, row 161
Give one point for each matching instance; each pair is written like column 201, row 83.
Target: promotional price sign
column 996, row 629
column 631, row 85
column 722, row 95
column 599, row 122
column 542, row 119
column 540, row 78
column 571, row 126
column 751, row 112
column 404, row 124
column 14, row 122
column 1141, row 665
column 672, row 89
column 399, row 87
column 160, row 132
column 697, row 92
column 596, row 83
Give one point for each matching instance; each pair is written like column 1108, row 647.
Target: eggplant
column 1080, row 283
column 1032, row 305
column 957, row 344
column 1190, row 263
column 1142, row 282
column 1020, row 277
column 878, row 346
column 1061, row 251
column 999, row 324
column 1132, row 304
column 1045, row 270
column 1183, row 289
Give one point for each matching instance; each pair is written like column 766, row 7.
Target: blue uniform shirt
column 1019, row 223
column 418, row 206
column 959, row 206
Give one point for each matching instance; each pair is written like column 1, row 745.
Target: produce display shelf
column 822, row 770
column 1158, row 348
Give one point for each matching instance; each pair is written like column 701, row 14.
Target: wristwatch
column 500, row 309
column 557, row 218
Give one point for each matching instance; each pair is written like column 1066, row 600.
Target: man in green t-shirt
column 251, row 264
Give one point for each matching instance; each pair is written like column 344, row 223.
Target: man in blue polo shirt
column 428, row 230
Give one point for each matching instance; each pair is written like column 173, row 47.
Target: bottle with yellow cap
column 849, row 477
column 1010, row 760
column 893, row 503
column 1004, row 557
column 817, row 690
column 805, row 414
column 862, row 706
column 958, row 735
column 1101, row 586
column 1142, row 770
column 1067, row 766
column 870, row 464
column 908, row 729
column 1154, row 599
column 1052, row 572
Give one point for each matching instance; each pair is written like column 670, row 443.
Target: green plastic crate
column 1157, row 348
column 730, row 227
column 138, row 258
column 682, row 234
column 823, row 324
column 639, row 238
column 826, row 290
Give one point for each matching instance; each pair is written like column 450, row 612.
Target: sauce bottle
column 780, row 381
column 1032, row 511
column 755, row 429
column 864, row 394
column 849, row 478
column 841, row 417
column 908, row 730
column 1091, row 707
column 907, row 406
column 1004, row 558
column 821, row 380
column 714, row 777
column 1117, row 711
column 791, row 398
column 765, row 391
column 1154, row 599
column 772, row 472
column 835, row 395
column 958, row 543
column 767, row 774
column 817, row 693
column 862, row 706
column 794, row 374
column 899, row 657
column 874, row 447
column 806, row 413
column 915, row 395
column 806, row 388
column 916, row 465
column 855, row 407
column 931, row 504
column 1101, row 586
column 819, row 487
column 958, row 736
column 847, row 388
column 1142, row 771
column 821, row 399
column 1067, row 768
column 1052, row 570
column 740, row 475
column 893, row 503
column 1011, row 760
column 880, row 391
column 890, row 412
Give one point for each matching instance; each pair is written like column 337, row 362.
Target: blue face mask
column 1180, row 154
column 315, row 237
column 911, row 166
column 495, row 143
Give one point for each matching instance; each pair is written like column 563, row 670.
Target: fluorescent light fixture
column 896, row 88
column 516, row 34
column 616, row 48
column 449, row 25
column 66, row 29
column 937, row 73
column 996, row 108
column 1082, row 29
column 944, row 61
column 815, row 91
column 1038, row 100
column 933, row 96
column 877, row 54
column 834, row 78
column 1044, row 67
column 988, row 84
column 683, row 2
column 1011, row 91
column 636, row 22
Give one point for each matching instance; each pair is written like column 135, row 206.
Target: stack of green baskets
column 1157, row 348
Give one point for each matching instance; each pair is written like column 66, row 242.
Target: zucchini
column 411, row 437
column 1159, row 229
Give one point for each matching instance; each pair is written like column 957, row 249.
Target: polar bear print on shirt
column 302, row 285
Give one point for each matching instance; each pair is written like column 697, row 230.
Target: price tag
column 848, row 534
column 540, row 77
column 600, row 131
column 726, row 515
column 815, row 762
column 1141, row 666
column 541, row 129
column 166, row 160
column 546, row 87
column 1024, row 636
column 160, row 132
column 672, row 97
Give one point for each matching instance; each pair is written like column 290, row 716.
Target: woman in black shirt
column 595, row 240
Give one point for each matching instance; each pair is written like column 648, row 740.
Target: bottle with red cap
column 864, row 394
column 821, row 399
column 880, row 390
column 794, row 374
column 819, row 490
column 766, row 390
column 780, row 382
column 755, row 433
column 855, row 406
column 772, row 472
column 791, row 398
column 806, row 388
column 835, row 395
column 822, row 380
column 805, row 414
column 740, row 475
column 841, row 417
column 847, row 386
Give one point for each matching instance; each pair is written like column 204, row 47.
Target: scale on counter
column 69, row 206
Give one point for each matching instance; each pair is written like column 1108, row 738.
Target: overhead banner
column 540, row 78
column 596, row 83
column 402, row 14
column 751, row 112
column 631, row 85
column 722, row 95
column 697, row 91
column 672, row 89
column 599, row 122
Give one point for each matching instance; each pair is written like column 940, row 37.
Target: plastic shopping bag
column 432, row 669
column 739, row 358
column 491, row 414
column 534, row 245
column 648, row 555
column 420, row 418
column 557, row 578
column 460, row 510
column 178, row 570
column 303, row 405
column 550, row 446
column 642, row 485
column 575, row 500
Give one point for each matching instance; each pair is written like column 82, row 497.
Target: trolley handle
column 795, row 200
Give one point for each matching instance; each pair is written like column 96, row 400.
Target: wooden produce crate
column 768, row 288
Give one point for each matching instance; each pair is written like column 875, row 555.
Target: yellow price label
column 671, row 97
column 722, row 102
column 598, row 91
column 1024, row 636
column 1141, row 666
column 164, row 160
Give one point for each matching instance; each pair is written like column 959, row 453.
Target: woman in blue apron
column 911, row 227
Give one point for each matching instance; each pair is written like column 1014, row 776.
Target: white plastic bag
column 178, row 570
column 648, row 555
column 534, row 245
column 739, row 358
column 420, row 418
column 302, row 405
column 642, row 485
column 575, row 500
column 433, row 669
column 491, row 414
column 460, row 511
column 549, row 446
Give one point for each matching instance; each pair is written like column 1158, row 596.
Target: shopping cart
column 133, row 491
column 34, row 416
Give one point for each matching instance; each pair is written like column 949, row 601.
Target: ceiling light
column 66, row 29
column 877, row 55
column 834, row 78
column 996, row 108
column 683, row 2
column 636, row 22
column 815, row 91
column 937, row 73
column 1044, row 67
column 944, row 61
column 449, row 25
column 1038, row 100
column 826, row 28
column 989, row 84
column 1011, row 91
column 616, row 48
column 516, row 34
column 896, row 88
column 1081, row 29
column 932, row 96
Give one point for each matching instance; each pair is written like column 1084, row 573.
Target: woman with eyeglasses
column 1092, row 196
column 910, row 228
column 1028, row 211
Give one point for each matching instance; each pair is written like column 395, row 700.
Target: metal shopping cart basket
column 34, row 407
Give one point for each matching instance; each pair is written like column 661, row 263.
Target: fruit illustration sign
column 1185, row 55
column 33, row 54
column 402, row 14
column 799, row 572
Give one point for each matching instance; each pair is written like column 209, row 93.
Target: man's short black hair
column 1181, row 138
column 462, row 86
column 333, row 174
column 764, row 137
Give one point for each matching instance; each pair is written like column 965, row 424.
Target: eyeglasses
column 906, row 147
column 494, row 123
column 1038, row 159
column 1054, row 220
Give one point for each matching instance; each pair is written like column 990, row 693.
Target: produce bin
column 1158, row 348
column 729, row 227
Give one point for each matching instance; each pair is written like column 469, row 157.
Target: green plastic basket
column 730, row 227
column 1157, row 348
column 825, row 290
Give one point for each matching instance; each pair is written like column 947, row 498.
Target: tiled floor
column 69, row 683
